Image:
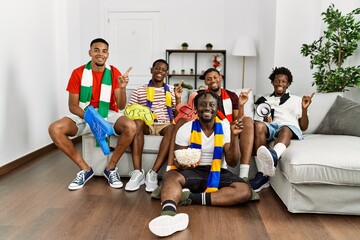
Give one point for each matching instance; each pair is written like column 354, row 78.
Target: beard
column 207, row 120
column 100, row 64
column 215, row 90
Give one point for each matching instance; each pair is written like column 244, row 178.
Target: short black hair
column 204, row 93
column 202, row 77
column 281, row 70
column 96, row 40
column 162, row 61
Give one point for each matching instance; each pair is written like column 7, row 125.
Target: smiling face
column 281, row 84
column 207, row 107
column 213, row 81
column 99, row 54
column 159, row 71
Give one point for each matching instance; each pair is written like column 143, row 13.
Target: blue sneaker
column 260, row 182
column 81, row 178
column 269, row 159
column 113, row 178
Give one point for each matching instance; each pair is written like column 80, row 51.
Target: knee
column 248, row 123
column 260, row 128
column 54, row 129
column 244, row 192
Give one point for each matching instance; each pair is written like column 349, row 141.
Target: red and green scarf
column 86, row 89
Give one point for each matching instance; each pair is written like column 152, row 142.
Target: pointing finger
column 127, row 72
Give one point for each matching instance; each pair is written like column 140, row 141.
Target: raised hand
column 124, row 79
column 244, row 97
column 237, row 126
column 178, row 89
column 306, row 101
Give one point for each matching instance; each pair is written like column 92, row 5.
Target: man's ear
column 89, row 52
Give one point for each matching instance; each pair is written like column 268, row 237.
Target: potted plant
column 184, row 85
column 182, row 71
column 191, row 71
column 209, row 46
column 328, row 54
column 184, row 45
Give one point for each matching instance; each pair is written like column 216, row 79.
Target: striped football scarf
column 150, row 95
column 195, row 142
column 86, row 89
column 227, row 104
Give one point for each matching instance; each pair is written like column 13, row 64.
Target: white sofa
column 320, row 174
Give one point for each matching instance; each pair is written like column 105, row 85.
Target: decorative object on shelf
column 217, row 62
column 338, row 42
column 191, row 71
column 184, row 85
column 184, row 45
column 209, row 46
column 193, row 54
column 244, row 47
column 173, row 72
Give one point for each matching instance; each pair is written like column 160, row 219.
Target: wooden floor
column 36, row 204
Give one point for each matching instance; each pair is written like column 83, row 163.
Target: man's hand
column 306, row 101
column 244, row 97
column 237, row 126
column 124, row 79
column 178, row 89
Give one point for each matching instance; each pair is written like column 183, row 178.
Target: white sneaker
column 166, row 225
column 151, row 181
column 137, row 179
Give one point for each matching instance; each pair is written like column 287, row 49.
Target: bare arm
column 232, row 149
column 304, row 120
column 74, row 105
column 243, row 98
column 120, row 93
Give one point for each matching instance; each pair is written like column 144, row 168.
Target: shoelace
column 80, row 177
column 114, row 177
column 152, row 177
column 134, row 174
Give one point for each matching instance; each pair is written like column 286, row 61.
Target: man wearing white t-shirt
column 287, row 119
column 209, row 182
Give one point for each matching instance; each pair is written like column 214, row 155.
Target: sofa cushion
column 326, row 159
column 342, row 119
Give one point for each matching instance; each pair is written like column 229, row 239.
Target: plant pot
column 209, row 48
column 184, row 48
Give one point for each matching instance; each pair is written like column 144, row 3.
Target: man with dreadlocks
column 209, row 182
column 288, row 117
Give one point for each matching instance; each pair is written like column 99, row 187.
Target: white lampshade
column 244, row 46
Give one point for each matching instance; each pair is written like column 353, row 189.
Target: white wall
column 46, row 39
column 33, row 65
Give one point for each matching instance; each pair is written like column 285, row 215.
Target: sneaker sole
column 79, row 187
column 266, row 185
column 136, row 187
column 266, row 159
column 166, row 225
column 150, row 189
column 120, row 185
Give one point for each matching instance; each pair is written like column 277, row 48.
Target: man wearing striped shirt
column 161, row 99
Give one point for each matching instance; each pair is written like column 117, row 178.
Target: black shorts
column 196, row 178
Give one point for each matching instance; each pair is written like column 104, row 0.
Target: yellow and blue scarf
column 150, row 95
column 195, row 142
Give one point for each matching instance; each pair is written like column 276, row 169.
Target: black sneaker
column 260, row 182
